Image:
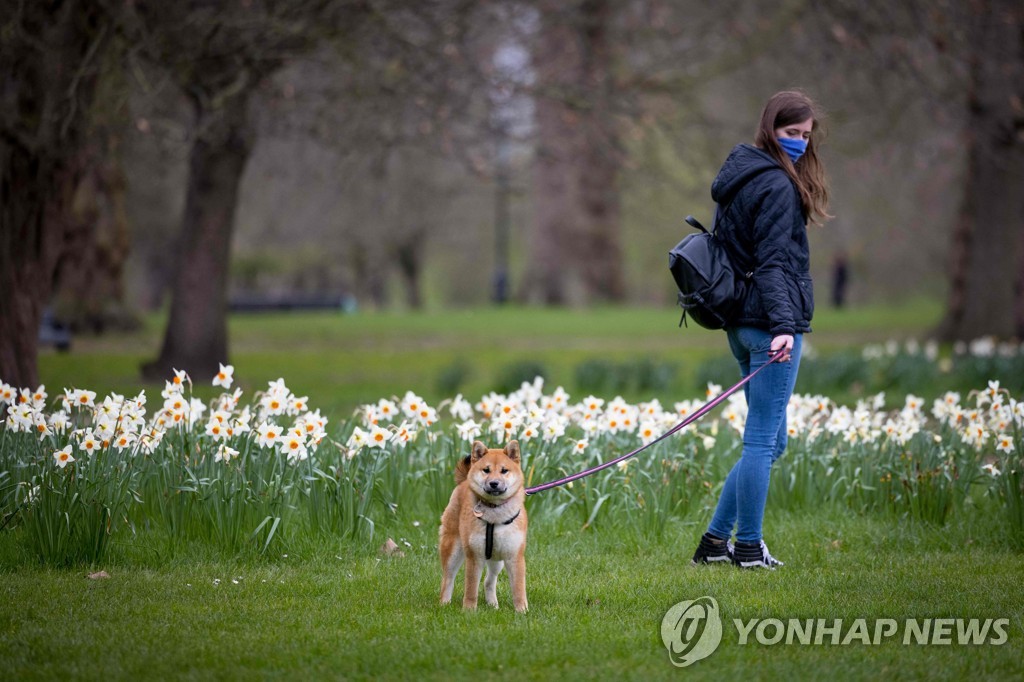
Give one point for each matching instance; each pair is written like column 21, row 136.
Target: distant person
column 839, row 276
column 766, row 193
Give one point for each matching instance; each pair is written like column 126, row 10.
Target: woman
column 766, row 193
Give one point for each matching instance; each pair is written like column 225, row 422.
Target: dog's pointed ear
column 479, row 450
column 512, row 450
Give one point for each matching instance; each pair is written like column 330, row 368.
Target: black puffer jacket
column 763, row 226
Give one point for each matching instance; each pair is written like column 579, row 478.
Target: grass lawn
column 339, row 609
column 342, row 361
column 597, row 600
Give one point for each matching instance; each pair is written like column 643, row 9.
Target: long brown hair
column 783, row 109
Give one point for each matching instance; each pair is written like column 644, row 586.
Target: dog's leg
column 517, row 578
column 491, row 582
column 474, row 567
column 451, row 560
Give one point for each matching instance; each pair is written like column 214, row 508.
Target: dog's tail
column 462, row 469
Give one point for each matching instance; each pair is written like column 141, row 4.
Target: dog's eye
column 504, row 470
column 487, row 470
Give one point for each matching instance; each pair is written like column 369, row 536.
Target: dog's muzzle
column 494, row 488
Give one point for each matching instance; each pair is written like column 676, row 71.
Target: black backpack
column 710, row 288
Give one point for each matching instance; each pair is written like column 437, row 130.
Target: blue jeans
column 741, row 504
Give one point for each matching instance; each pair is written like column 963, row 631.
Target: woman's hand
column 782, row 343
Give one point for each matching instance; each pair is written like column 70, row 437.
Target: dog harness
column 489, row 537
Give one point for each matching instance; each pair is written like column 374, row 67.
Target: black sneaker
column 753, row 555
column 712, row 550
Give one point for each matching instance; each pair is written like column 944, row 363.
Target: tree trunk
column 409, row 255
column 47, row 56
column 35, row 194
column 575, row 247
column 554, row 187
column 89, row 294
column 368, row 252
column 1019, row 309
column 196, row 337
column 988, row 240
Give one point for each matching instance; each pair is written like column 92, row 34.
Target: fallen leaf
column 390, row 548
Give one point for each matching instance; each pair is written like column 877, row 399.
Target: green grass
column 338, row 609
column 596, row 605
column 343, row 361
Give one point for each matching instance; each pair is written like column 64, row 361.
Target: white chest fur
column 507, row 541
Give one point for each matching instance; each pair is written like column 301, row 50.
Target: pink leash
column 705, row 408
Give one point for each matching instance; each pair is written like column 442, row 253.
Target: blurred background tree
column 50, row 60
column 967, row 59
column 379, row 153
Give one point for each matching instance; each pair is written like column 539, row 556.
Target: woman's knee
column 780, row 447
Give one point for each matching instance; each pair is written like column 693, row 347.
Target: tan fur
column 483, row 493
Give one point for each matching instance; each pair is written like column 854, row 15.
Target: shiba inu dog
column 484, row 525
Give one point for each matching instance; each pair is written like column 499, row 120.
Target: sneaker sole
column 754, row 564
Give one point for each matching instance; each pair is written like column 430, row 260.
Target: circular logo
column 691, row 630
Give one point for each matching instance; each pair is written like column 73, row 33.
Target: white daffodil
column 378, row 437
column 268, row 434
column 505, row 425
column 88, row 442
column 991, row 469
column 411, row 404
column 460, row 408
column 225, row 376
column 554, row 428
column 81, row 398
column 468, row 430
column 225, row 453
column 59, row 421
column 63, row 456
column 125, row 440
column 358, row 439
column 529, row 432
column 181, row 378
column 217, row 428
column 386, row 409
column 1004, row 443
column 294, row 446
column 426, row 415
column 560, row 398
column 297, row 404
column 39, row 397
column 403, row 435
column 42, row 429
column 648, row 432
column 195, row 411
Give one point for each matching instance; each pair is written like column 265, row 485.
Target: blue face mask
column 794, row 148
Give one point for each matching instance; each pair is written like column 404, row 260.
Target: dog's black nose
column 494, row 484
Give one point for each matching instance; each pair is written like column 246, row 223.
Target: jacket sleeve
column 776, row 213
